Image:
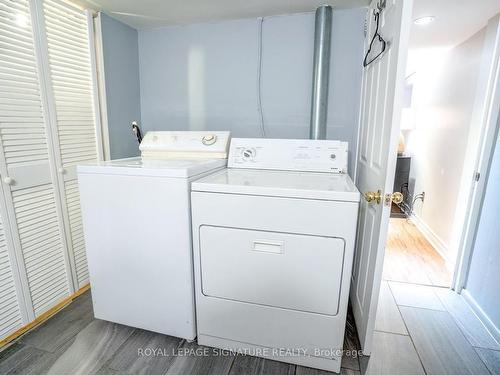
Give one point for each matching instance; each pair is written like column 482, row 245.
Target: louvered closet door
column 72, row 85
column 10, row 299
column 36, row 219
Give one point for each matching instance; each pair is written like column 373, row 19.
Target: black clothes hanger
column 376, row 35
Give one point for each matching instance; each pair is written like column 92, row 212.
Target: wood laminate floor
column 410, row 258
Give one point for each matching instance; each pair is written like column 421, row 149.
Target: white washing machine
column 273, row 247
column 137, row 225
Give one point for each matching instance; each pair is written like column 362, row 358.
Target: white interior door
column 379, row 129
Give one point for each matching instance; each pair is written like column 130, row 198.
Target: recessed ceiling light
column 421, row 21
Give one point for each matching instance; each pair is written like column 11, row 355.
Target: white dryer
column 137, row 225
column 273, row 247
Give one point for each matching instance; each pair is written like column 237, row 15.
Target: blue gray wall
column 205, row 76
column 483, row 282
column 121, row 68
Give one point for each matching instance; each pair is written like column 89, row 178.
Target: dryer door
column 291, row 271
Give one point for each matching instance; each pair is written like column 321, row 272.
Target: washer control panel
column 175, row 144
column 289, row 154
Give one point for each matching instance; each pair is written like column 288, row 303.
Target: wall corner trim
column 487, row 323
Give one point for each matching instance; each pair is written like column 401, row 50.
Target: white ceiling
column 456, row 20
column 154, row 13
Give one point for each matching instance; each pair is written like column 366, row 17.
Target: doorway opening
column 450, row 104
column 445, row 143
column 436, row 126
column 450, row 97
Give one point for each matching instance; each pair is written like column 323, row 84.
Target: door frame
column 97, row 64
column 99, row 82
column 487, row 116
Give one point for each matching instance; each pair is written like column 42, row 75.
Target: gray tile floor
column 418, row 331
column 74, row 342
column 441, row 334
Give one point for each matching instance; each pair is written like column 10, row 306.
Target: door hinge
column 477, row 176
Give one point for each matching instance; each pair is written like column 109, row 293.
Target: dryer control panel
column 289, row 154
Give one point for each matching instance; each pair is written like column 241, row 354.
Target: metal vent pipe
column 321, row 71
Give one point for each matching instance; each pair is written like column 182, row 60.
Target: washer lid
column 291, row 184
column 181, row 168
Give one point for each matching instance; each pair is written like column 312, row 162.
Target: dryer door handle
column 263, row 246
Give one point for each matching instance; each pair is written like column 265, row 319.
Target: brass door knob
column 373, row 196
column 397, row 197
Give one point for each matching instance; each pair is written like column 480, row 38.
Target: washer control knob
column 209, row 139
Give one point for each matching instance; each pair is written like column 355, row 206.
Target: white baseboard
column 488, row 324
column 436, row 242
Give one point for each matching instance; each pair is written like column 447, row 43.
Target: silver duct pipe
column 321, row 71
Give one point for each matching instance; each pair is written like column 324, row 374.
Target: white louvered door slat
column 10, row 311
column 76, row 137
column 36, row 223
column 42, row 246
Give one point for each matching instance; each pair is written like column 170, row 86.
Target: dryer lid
column 291, row 184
